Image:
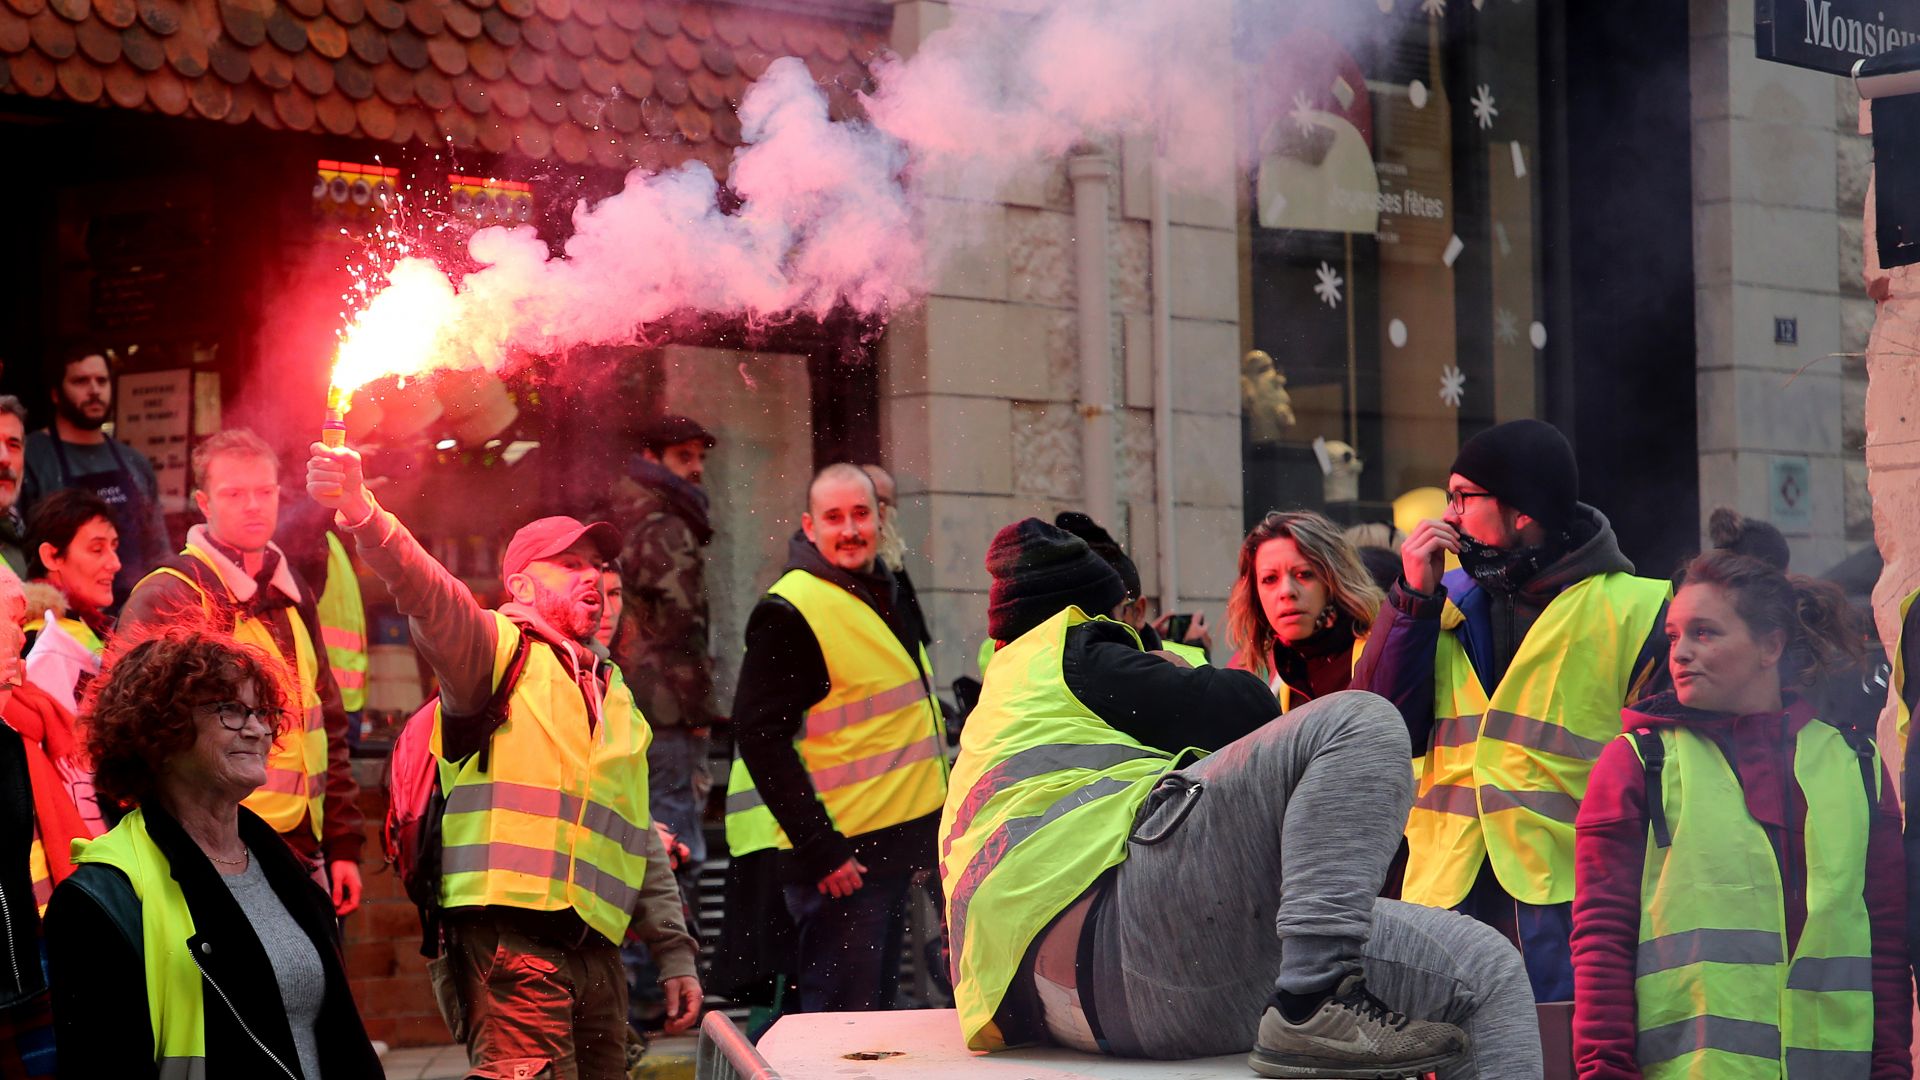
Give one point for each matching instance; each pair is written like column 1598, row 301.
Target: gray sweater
column 296, row 965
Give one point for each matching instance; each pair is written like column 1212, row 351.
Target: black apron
column 119, row 488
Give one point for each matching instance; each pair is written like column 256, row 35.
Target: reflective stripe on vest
column 1715, row 992
column 874, row 747
column 1286, row 694
column 42, row 876
column 297, row 765
column 559, row 818
column 175, row 1008
column 1043, row 797
column 343, row 626
column 1502, row 775
column 1902, row 715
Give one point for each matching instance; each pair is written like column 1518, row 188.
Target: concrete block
column 1131, row 259
column 967, row 248
column 1748, row 410
column 1206, row 454
column 914, row 21
column 1708, row 66
column 1712, row 141
column 1776, row 93
column 1062, row 354
column 1856, row 323
column 1853, row 167
column 1784, row 247
column 963, row 526
column 1206, row 274
column 926, row 1044
column 959, row 444
column 1850, row 248
column 1046, row 442
column 1136, row 336
column 958, row 621
column 1853, row 414
column 1209, row 540
column 1712, row 243
column 1042, row 185
column 1733, row 326
column 1858, row 502
column 1784, row 164
column 1136, row 462
column 1206, row 367
column 1143, row 542
column 1211, row 208
column 1040, row 260
column 986, row 349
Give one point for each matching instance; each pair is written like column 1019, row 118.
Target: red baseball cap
column 549, row 536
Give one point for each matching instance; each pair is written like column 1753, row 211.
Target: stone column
column 1765, row 222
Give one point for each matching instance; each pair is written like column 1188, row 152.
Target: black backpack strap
column 1653, row 756
column 1863, row 748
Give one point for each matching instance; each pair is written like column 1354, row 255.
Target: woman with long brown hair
column 1301, row 606
column 1739, row 899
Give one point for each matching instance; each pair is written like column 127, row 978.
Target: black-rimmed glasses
column 234, row 715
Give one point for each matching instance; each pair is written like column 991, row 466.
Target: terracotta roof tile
column 15, row 35
column 99, row 42
column 271, row 67
column 211, row 98
column 327, row 37
column 52, row 35
column 368, row 42
column 312, row 73
column 126, row 87
column 612, row 82
column 353, row 78
column 335, row 113
column 495, row 136
column 142, row 49
column 229, row 61
column 118, row 14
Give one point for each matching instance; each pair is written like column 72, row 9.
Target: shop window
column 1393, row 257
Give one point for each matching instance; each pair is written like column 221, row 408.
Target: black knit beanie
column 1038, row 570
column 1526, row 464
column 1103, row 545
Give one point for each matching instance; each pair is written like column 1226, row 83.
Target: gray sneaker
column 1352, row 1034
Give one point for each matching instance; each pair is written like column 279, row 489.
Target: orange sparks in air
column 400, row 330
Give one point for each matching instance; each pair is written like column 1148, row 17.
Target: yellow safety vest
column 1903, row 715
column 1043, row 798
column 80, row 631
column 175, row 1007
column 1286, row 693
column 343, row 626
column 874, row 747
column 558, row 817
column 1716, row 993
column 1194, row 655
column 1503, row 774
column 297, row 766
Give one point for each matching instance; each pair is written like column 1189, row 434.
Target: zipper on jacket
column 13, row 954
column 271, row 1056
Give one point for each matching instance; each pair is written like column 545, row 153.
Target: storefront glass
column 1393, row 259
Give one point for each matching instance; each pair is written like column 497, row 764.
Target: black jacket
column 101, row 1025
column 20, row 976
column 782, row 675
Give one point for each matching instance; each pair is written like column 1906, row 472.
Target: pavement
column 667, row 1059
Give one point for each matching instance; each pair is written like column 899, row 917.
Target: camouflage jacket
column 662, row 647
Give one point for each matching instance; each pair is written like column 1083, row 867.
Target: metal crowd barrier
column 725, row 1053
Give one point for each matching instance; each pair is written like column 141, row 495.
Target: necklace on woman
column 241, row 861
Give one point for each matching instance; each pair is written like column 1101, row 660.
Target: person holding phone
column 1301, row 607
column 1183, row 634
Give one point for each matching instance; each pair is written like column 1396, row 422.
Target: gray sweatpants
column 1199, row 928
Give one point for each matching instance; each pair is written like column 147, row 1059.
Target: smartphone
column 1176, row 627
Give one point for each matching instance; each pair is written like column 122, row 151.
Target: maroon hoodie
column 1610, row 853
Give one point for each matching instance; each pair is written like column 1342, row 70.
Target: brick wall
column 384, row 965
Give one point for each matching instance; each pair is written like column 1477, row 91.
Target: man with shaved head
column 841, row 764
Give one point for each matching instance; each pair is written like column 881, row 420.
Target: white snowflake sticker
column 1302, row 112
column 1506, row 328
column 1327, row 287
column 1435, row 8
column 1483, row 107
column 1453, row 385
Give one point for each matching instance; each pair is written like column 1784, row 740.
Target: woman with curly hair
column 1739, row 899
column 1301, row 606
column 189, row 941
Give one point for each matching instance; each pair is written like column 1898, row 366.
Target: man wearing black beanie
column 1103, row 897
column 1510, row 674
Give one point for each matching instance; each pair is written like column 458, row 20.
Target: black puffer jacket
column 20, row 976
column 101, row 1024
